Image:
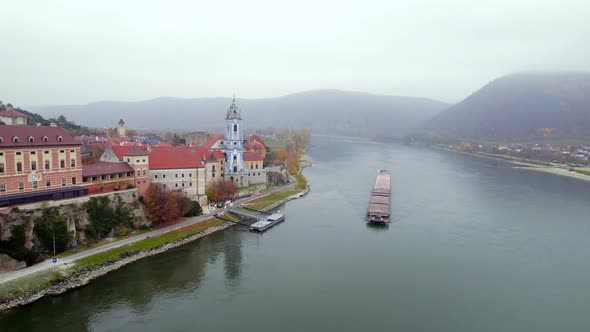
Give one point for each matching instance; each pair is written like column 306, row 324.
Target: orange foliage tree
column 160, row 205
column 220, row 190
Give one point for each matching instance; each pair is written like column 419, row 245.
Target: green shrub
column 49, row 226
column 195, row 210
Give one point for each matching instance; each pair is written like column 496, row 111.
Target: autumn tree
column 160, row 205
column 220, row 190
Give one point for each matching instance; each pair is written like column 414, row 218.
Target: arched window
column 1, row 140
column 15, row 139
column 60, row 139
column 31, row 139
column 144, row 172
column 235, row 128
column 45, row 139
column 235, row 158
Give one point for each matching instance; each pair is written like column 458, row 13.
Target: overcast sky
column 69, row 52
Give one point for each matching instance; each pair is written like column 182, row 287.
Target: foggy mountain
column 521, row 106
column 322, row 111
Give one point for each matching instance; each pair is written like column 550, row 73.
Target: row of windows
column 105, row 177
column 20, row 153
column 190, row 184
column 190, row 175
column 137, row 160
column 139, row 172
column 31, row 139
column 35, row 184
column 47, row 165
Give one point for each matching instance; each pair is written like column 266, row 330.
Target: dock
column 264, row 220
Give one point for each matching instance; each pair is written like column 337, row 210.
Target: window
column 18, row 153
column 21, row 186
column 251, row 166
column 176, row 175
column 63, row 182
column 235, row 169
column 183, row 184
column 31, row 139
column 72, row 151
column 45, row 139
column 33, row 165
column 74, row 180
column 2, row 187
column 48, row 182
column 62, row 151
column 137, row 161
column 213, row 169
column 33, row 152
column 256, row 165
column 235, row 143
column 128, row 160
column 190, row 175
column 1, row 154
column 60, row 139
column 46, row 165
column 138, row 172
column 143, row 160
column 1, row 140
column 46, row 151
column 156, row 176
column 1, row 168
column 213, row 175
column 176, row 185
column 15, row 139
column 144, row 172
column 235, row 128
column 73, row 163
column 190, row 184
column 62, row 163
column 35, row 184
column 182, row 174
column 19, row 166
column 163, row 176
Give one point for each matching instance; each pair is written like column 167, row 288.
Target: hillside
column 327, row 111
column 521, row 106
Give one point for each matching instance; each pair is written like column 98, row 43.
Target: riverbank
column 29, row 289
column 525, row 165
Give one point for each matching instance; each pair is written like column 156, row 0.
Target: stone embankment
column 82, row 277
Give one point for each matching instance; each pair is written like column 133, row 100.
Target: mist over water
column 475, row 245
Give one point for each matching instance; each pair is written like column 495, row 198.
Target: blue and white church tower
column 234, row 150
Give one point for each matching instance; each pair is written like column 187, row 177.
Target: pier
column 264, row 219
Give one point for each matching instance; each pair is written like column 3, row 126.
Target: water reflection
column 134, row 287
column 377, row 227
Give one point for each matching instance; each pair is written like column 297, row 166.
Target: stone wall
column 71, row 210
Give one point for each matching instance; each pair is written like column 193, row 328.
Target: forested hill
column 326, row 111
column 524, row 105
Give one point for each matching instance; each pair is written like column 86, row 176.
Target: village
column 61, row 192
column 540, row 153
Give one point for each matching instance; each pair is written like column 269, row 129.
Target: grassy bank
column 269, row 199
column 38, row 281
column 144, row 245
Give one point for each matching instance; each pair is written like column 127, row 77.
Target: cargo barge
column 378, row 211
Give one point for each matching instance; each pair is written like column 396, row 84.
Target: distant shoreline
column 524, row 165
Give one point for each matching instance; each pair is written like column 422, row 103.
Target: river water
column 474, row 245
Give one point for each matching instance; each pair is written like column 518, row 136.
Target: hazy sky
column 65, row 52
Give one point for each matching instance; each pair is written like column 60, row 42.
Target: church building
column 238, row 169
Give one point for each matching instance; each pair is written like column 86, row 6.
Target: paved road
column 67, row 261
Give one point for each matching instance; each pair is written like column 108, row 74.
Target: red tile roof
column 12, row 113
column 103, row 168
column 212, row 139
column 252, row 156
column 136, row 150
column 40, row 136
column 177, row 157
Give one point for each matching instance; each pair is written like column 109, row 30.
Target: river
column 474, row 245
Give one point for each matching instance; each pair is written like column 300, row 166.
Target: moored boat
column 378, row 210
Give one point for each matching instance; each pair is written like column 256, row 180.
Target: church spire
column 233, row 112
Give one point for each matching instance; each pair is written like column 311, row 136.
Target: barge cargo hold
column 378, row 211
